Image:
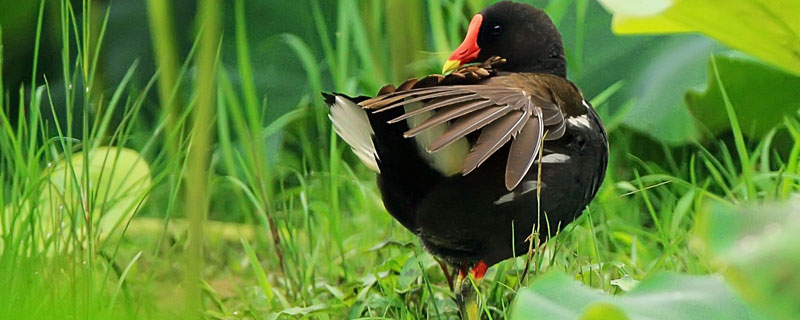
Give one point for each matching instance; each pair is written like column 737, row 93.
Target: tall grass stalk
column 164, row 43
column 405, row 31
column 197, row 179
column 258, row 159
column 55, row 258
column 437, row 26
column 741, row 149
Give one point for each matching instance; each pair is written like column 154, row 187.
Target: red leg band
column 479, row 270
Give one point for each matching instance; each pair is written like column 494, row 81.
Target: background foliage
column 111, row 112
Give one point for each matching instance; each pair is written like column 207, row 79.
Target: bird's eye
column 497, row 29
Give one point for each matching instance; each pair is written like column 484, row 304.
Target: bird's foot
column 466, row 289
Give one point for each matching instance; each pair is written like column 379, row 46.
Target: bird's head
column 523, row 35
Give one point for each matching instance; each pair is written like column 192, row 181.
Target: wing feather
column 523, row 152
column 448, row 114
column 493, row 136
column 403, row 99
column 468, row 124
column 508, row 108
column 435, row 105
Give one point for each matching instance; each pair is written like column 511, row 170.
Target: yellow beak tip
column 450, row 65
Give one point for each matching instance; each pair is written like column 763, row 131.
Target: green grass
column 245, row 218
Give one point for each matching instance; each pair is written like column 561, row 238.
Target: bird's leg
column 447, row 274
column 462, row 289
column 462, row 274
column 466, row 291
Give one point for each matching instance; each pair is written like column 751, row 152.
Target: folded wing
column 514, row 107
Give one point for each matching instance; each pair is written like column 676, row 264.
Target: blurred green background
column 598, row 58
column 166, row 159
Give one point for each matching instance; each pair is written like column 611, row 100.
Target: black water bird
column 472, row 161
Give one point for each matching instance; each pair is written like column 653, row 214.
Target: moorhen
column 463, row 159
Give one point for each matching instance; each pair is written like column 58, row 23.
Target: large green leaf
column 658, row 88
column 663, row 296
column 758, row 249
column 118, row 180
column 767, row 29
column 760, row 94
column 102, row 190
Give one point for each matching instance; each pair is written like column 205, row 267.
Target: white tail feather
column 352, row 124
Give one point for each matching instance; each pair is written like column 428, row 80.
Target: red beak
column 468, row 50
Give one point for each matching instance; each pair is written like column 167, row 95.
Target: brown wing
column 521, row 107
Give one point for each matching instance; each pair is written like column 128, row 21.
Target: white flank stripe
column 508, row 197
column 528, row 186
column 582, row 121
column 351, row 123
column 555, row 158
column 524, row 187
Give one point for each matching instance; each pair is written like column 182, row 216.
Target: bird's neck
column 552, row 66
